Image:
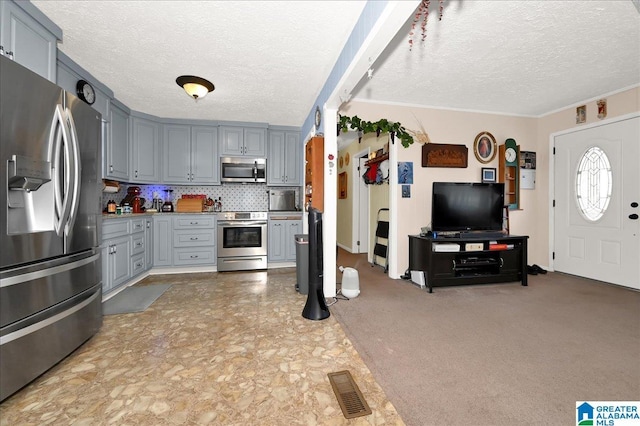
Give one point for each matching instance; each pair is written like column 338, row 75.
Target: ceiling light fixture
column 196, row 87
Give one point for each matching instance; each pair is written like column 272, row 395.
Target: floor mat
column 133, row 299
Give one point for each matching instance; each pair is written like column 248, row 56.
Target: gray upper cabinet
column 190, row 154
column 116, row 148
column 177, row 153
column 204, row 155
column 284, row 160
column 31, row 36
column 242, row 141
column 145, row 147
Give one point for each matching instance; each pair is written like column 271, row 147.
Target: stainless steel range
column 242, row 241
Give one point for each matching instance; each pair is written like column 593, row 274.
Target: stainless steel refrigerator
column 50, row 269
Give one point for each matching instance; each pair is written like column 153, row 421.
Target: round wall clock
column 85, row 92
column 318, row 117
column 510, row 152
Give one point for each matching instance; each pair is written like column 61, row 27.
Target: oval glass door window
column 593, row 183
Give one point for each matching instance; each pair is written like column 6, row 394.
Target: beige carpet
column 499, row 354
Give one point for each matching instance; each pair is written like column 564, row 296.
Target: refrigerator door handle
column 55, row 147
column 65, row 174
column 75, row 173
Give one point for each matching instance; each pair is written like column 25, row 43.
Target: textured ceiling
column 269, row 60
column 512, row 57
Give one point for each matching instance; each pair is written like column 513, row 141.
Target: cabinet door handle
column 136, row 173
column 193, row 223
column 194, row 256
column 138, row 244
column 454, row 265
column 111, row 168
column 501, row 262
column 194, row 238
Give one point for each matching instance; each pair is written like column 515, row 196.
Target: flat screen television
column 467, row 207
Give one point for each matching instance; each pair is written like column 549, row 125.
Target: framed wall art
column 485, row 147
column 342, row 185
column 444, row 155
column 488, row 175
column 581, row 114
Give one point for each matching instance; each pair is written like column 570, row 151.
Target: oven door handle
column 240, row 223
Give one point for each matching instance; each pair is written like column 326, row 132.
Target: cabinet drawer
column 137, row 225
column 194, row 256
column 137, row 244
column 203, row 237
column 113, row 228
column 137, row 265
column 194, row 222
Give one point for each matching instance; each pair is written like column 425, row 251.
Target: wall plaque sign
column 444, row 155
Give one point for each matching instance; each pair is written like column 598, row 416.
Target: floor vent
column 348, row 394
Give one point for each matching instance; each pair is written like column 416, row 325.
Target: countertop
column 280, row 215
column 130, row 215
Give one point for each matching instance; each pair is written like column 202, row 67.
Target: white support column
column 330, row 214
column 386, row 27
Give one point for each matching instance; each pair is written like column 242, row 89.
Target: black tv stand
column 470, row 234
column 469, row 259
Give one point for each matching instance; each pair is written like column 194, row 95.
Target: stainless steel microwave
column 243, row 169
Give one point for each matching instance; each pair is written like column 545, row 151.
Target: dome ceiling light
column 196, row 87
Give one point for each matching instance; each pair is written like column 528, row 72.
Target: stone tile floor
column 214, row 349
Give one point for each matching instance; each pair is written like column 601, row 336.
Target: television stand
column 469, row 259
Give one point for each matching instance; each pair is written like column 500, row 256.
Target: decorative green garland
column 380, row 126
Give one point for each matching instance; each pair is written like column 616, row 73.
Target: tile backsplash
column 234, row 197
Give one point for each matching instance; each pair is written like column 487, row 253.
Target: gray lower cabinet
column 184, row 240
column 30, row 36
column 162, row 240
column 138, row 247
column 194, row 240
column 281, row 237
column 116, row 253
column 125, row 249
column 148, row 235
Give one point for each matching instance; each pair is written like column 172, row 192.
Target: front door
column 596, row 193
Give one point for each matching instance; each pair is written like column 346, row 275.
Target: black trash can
column 302, row 263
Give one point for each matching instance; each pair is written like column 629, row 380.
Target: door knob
column 633, row 216
column 634, row 204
